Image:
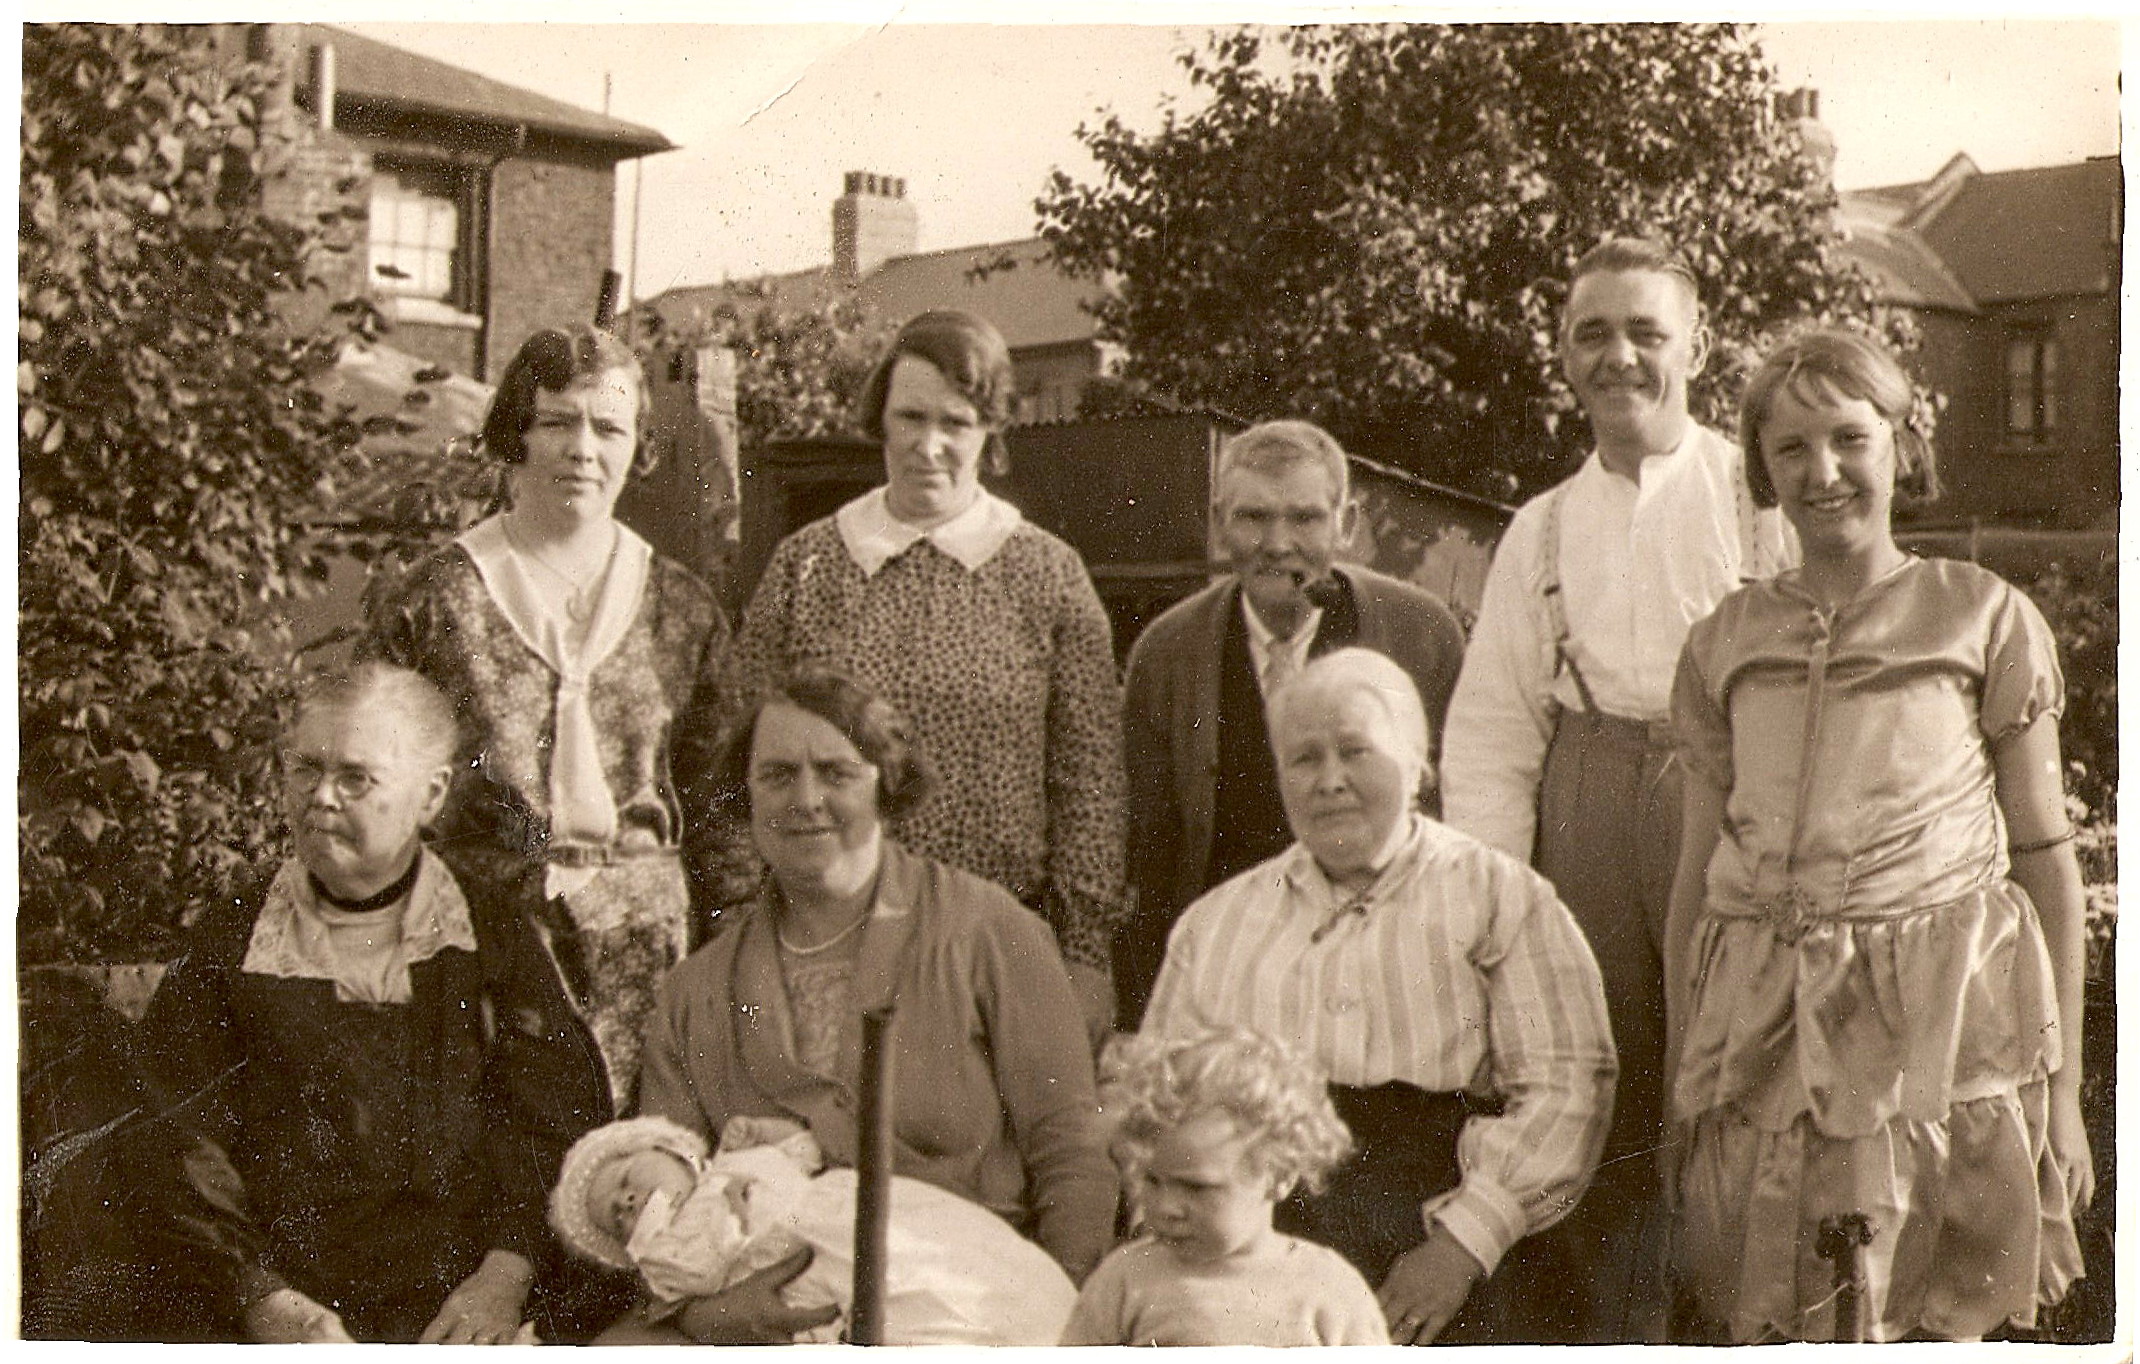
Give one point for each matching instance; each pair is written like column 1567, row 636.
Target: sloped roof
column 2039, row 233
column 1012, row 284
column 797, row 291
column 1904, row 269
column 1019, row 289
column 369, row 71
column 1886, row 205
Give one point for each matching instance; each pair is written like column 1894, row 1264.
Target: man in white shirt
column 1203, row 790
column 1558, row 749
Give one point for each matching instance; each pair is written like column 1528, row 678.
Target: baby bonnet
column 569, row 1216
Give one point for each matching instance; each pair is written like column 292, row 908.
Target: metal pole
column 1841, row 1241
column 605, row 306
column 873, row 1179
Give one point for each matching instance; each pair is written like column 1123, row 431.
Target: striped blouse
column 1458, row 969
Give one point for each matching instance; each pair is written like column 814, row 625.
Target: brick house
column 1055, row 349
column 491, row 207
column 2013, row 277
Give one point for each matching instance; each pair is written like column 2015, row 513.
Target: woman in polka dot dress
column 981, row 627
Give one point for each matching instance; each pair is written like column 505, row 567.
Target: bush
column 169, row 443
column 2079, row 597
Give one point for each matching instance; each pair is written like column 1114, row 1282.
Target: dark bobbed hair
column 1815, row 365
column 973, row 358
column 872, row 724
column 554, row 359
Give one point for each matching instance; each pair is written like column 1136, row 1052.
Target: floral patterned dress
column 637, row 903
column 1007, row 673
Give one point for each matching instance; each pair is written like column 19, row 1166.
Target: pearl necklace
column 827, row 945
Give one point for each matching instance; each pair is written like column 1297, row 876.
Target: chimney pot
column 871, row 223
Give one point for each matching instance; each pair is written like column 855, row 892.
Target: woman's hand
column 753, row 1312
column 2069, row 1146
column 288, row 1317
column 1426, row 1287
column 485, row 1309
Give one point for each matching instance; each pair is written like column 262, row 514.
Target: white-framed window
column 2032, row 379
column 419, row 232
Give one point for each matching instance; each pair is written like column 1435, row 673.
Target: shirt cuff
column 1484, row 1218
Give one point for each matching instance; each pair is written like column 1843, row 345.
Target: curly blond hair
column 1275, row 1096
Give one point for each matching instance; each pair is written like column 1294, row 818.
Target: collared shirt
column 875, row 537
column 1641, row 560
column 1460, row 970
column 1264, row 644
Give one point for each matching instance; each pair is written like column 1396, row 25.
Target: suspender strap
column 1556, row 609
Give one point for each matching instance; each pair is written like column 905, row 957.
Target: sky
column 769, row 116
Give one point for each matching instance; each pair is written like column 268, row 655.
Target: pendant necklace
column 579, row 603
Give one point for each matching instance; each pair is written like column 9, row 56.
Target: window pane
column 2047, row 379
column 415, row 230
column 2020, row 386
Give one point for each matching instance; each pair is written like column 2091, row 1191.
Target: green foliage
column 799, row 368
column 168, row 442
column 2080, row 600
column 1370, row 226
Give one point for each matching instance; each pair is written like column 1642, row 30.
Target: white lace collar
column 290, row 938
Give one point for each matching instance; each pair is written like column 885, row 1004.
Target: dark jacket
column 368, row 1156
column 1170, row 725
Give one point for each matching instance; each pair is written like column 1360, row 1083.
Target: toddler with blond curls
column 1210, row 1134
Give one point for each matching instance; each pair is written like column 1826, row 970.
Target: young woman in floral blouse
column 586, row 669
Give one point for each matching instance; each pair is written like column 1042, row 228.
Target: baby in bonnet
column 644, row 1194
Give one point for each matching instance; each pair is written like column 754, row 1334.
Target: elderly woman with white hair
column 1440, row 984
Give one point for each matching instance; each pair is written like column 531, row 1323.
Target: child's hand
column 1426, row 1287
column 288, row 1317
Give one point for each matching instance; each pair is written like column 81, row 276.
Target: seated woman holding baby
column 993, row 1073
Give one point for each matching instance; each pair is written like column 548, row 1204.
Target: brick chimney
column 871, row 223
column 1801, row 109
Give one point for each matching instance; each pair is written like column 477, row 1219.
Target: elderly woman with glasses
column 339, row 1137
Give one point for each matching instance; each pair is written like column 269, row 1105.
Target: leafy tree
column 1371, row 226
column 168, row 446
column 799, row 366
